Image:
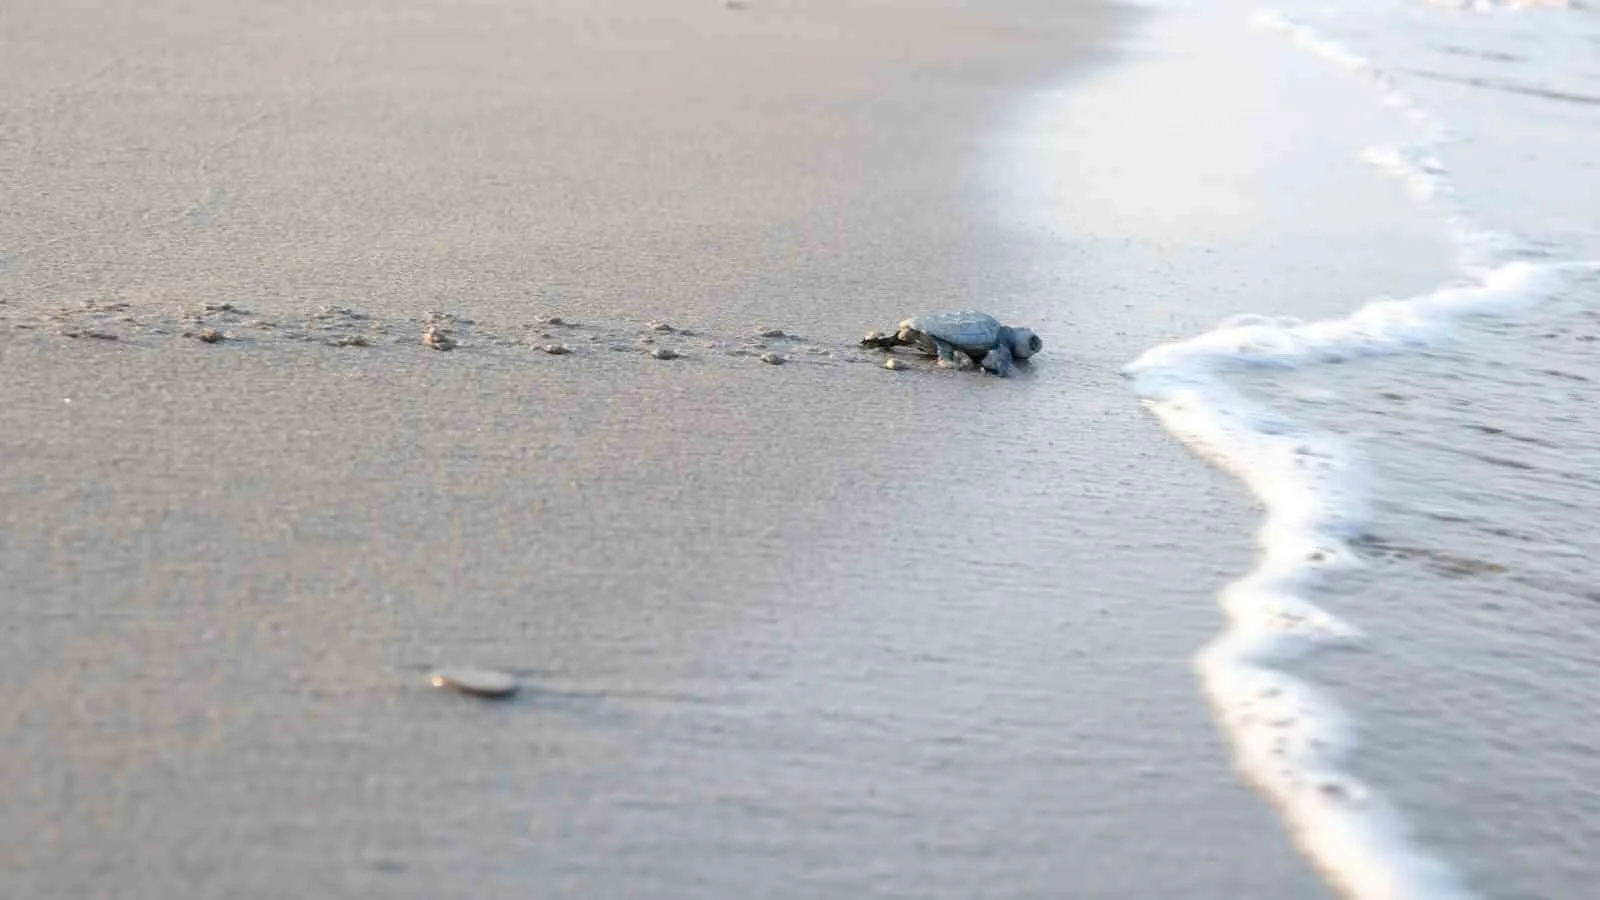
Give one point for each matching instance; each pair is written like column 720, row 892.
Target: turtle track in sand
column 158, row 323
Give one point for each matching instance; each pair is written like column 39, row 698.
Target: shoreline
column 1289, row 739
column 1481, row 355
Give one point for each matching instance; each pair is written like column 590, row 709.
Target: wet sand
column 809, row 630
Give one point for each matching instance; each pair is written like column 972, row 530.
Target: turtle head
column 1024, row 343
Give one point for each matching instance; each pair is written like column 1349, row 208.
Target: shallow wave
column 1510, row 87
column 1290, row 739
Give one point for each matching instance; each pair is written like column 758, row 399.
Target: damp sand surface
column 809, row 630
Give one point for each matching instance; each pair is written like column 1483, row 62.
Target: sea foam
column 1291, row 739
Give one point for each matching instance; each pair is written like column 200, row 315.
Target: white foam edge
column 1288, row 738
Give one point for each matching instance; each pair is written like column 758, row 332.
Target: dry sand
column 814, row 630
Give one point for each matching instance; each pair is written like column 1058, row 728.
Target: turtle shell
column 963, row 329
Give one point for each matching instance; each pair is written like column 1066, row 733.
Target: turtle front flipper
column 950, row 357
column 998, row 360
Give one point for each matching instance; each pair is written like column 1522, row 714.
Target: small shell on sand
column 486, row 683
column 664, row 353
column 660, row 326
column 892, row 363
column 438, row 338
column 556, row 349
column 773, row 359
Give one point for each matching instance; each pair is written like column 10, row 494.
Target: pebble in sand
column 486, row 683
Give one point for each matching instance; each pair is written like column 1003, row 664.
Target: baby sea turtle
column 977, row 336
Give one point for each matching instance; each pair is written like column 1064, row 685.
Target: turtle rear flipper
column 881, row 341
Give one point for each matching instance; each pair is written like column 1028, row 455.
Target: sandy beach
column 815, row 629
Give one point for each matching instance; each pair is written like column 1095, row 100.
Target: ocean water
column 1408, row 673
